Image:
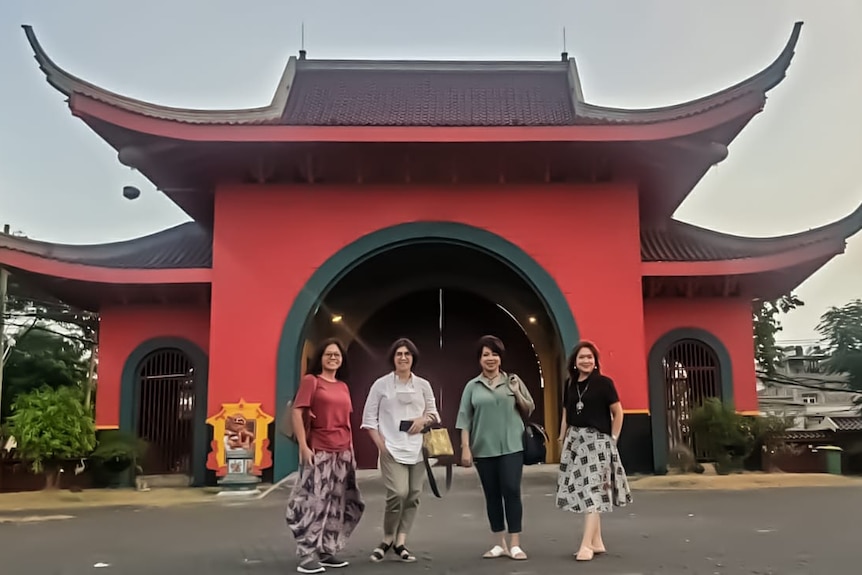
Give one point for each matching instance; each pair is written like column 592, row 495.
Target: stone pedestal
column 239, row 479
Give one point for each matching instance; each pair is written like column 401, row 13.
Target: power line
column 819, row 385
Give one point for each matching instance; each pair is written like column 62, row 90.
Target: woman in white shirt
column 399, row 406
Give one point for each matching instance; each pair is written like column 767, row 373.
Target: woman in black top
column 592, row 479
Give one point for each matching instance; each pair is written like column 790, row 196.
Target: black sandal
column 380, row 552
column 404, row 554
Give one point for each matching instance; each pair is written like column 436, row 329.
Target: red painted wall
column 269, row 240
column 122, row 329
column 727, row 319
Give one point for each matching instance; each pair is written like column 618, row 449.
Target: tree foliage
column 27, row 305
column 43, row 358
column 51, row 425
column 49, row 343
column 841, row 329
column 766, row 325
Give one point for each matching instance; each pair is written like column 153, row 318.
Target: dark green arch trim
column 130, row 395
column 349, row 257
column 657, row 405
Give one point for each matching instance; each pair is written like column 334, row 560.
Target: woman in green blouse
column 492, row 432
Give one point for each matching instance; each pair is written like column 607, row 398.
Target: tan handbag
column 437, row 443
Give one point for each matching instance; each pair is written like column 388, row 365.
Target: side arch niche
column 686, row 366
column 163, row 400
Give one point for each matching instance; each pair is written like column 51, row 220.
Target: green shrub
column 52, row 425
column 722, row 434
column 729, row 438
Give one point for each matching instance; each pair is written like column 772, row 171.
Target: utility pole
column 4, row 284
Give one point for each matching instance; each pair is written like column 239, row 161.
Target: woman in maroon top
column 325, row 505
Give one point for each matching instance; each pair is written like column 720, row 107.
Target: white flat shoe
column 495, row 552
column 517, row 553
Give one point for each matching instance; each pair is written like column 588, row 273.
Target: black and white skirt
column 592, row 478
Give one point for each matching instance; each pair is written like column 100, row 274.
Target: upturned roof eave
column 761, row 83
column 840, row 230
column 68, row 84
column 95, row 274
column 762, row 253
column 585, row 113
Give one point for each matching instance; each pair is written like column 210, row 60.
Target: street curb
column 370, row 484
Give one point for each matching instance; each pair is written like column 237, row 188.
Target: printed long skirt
column 325, row 505
column 592, row 478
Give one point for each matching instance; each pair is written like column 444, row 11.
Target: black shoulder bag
column 535, row 437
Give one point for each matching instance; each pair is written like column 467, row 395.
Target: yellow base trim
column 104, row 427
column 636, row 411
column 749, row 412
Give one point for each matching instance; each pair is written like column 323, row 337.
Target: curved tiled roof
column 681, row 242
column 425, row 93
column 186, row 246
column 189, row 246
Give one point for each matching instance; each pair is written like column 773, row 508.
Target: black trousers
column 501, row 482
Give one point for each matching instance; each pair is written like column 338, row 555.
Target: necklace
column 492, row 380
column 579, row 406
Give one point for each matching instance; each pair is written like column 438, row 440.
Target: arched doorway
column 165, row 411
column 686, row 367
column 382, row 267
column 163, row 396
column 444, row 324
column 691, row 376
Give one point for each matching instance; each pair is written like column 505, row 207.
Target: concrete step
column 172, row 480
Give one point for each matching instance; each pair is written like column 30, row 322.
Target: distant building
column 822, row 413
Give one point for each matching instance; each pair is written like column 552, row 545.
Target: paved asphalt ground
column 779, row 531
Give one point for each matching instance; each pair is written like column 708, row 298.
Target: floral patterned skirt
column 325, row 505
column 591, row 478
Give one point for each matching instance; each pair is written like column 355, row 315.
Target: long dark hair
column 315, row 366
column 571, row 365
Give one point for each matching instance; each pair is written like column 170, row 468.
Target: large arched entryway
column 492, row 285
column 686, row 367
column 163, row 401
column 444, row 324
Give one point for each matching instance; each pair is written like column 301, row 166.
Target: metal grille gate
column 166, row 406
column 691, row 375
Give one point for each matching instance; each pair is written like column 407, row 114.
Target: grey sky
column 793, row 168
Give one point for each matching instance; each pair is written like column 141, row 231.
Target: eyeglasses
column 403, row 354
column 332, row 355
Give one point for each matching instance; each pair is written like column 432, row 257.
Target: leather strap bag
column 436, row 444
column 535, row 437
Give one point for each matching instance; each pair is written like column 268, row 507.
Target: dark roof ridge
column 435, row 65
